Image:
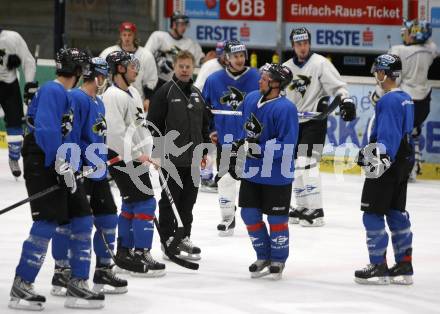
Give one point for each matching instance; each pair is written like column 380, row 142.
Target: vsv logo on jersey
column 140, row 117
column 100, row 126
column 233, row 98
column 67, row 123
column 300, row 84
column 253, row 127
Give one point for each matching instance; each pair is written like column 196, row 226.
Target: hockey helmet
column 389, row 63
column 97, row 66
column 123, row 58
column 278, row 72
column 419, row 30
column 177, row 16
column 300, row 34
column 71, row 61
column 234, row 46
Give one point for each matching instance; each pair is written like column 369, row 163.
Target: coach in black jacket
column 178, row 106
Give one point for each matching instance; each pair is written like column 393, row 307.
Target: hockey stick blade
column 56, row 187
column 171, row 256
column 332, row 107
column 137, row 268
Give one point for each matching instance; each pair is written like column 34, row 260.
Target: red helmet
column 127, row 26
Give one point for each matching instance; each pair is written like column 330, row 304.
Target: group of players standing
column 254, row 118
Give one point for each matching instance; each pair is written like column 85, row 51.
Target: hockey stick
column 57, row 186
column 332, row 107
column 169, row 253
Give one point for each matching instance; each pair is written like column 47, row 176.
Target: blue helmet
column 419, row 30
column 97, row 66
column 390, row 64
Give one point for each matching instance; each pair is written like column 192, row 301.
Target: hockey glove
column 347, row 109
column 30, row 88
column 66, row 175
column 374, row 165
column 236, row 160
column 165, row 66
column 13, row 62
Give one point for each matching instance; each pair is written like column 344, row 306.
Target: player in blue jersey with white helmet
column 224, row 91
column 271, row 133
column 89, row 131
column 387, row 164
column 50, row 120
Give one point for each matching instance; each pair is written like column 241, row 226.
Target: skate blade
column 318, row 222
column 15, row 303
column 380, row 281
column 119, row 270
column 107, row 289
column 79, row 303
column 227, row 233
column 277, row 276
column 58, row 291
column 402, row 280
column 150, row 274
column 189, row 257
column 293, row 220
column 259, row 274
column 208, row 190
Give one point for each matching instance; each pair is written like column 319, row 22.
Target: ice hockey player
column 387, row 164
column 178, row 107
column 124, row 115
column 147, row 77
column 315, row 79
column 50, row 118
column 89, row 130
column 225, row 90
column 165, row 45
column 207, row 182
column 13, row 53
column 417, row 54
column 271, row 132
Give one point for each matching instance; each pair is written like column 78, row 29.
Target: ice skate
column 259, row 268
column 59, row 281
column 226, row 227
column 373, row 274
column 401, row 273
column 312, row 218
column 276, row 270
column 105, row 281
column 15, row 168
column 155, row 269
column 189, row 250
column 127, row 262
column 79, row 296
column 295, row 215
column 208, row 186
column 24, row 297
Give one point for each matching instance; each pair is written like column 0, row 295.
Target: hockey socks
column 15, row 141
column 34, row 250
column 279, row 238
column 401, row 235
column 125, row 228
column 143, row 228
column 60, row 245
column 80, row 246
column 107, row 225
column 257, row 231
column 377, row 237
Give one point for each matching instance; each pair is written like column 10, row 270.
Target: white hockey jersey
column 416, row 60
column 147, row 75
column 126, row 124
column 206, row 70
column 12, row 43
column 162, row 44
column 315, row 79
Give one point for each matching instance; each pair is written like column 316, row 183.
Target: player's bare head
column 235, row 55
column 274, row 77
column 184, row 65
column 179, row 22
column 415, row 31
column 300, row 39
column 128, row 34
column 386, row 69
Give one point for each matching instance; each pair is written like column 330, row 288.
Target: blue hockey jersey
column 89, row 131
column 222, row 91
column 394, row 119
column 278, row 118
column 51, row 115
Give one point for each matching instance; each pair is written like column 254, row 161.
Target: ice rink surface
column 318, row 277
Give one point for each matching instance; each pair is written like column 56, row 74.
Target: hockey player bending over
column 13, row 53
column 417, row 54
column 315, row 79
column 271, row 132
column 387, row 164
column 50, row 118
column 225, row 90
column 123, row 112
column 89, row 129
